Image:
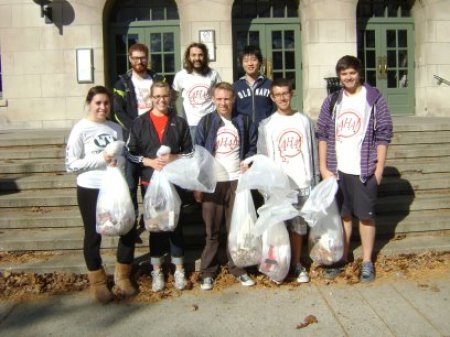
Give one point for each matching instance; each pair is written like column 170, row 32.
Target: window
column 144, row 10
column 251, row 9
column 384, row 8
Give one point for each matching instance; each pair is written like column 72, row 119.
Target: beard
column 199, row 66
column 139, row 67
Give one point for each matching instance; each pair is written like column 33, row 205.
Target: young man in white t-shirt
column 287, row 137
column 195, row 83
column 230, row 139
column 354, row 129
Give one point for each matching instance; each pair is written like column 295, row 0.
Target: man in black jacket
column 131, row 99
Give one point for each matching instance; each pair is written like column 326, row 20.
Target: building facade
column 52, row 52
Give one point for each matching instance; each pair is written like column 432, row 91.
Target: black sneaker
column 331, row 272
column 367, row 272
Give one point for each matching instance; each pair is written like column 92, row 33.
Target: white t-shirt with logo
column 196, row 91
column 227, row 152
column 84, row 150
column 351, row 124
column 142, row 91
column 288, row 142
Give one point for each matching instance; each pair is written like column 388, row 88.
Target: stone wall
column 40, row 88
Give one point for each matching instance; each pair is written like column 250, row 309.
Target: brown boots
column 124, row 288
column 97, row 279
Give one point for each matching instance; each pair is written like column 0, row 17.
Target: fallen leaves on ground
column 25, row 286
column 310, row 319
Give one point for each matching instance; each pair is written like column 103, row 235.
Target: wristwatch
column 141, row 160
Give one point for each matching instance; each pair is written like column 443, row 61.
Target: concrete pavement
column 393, row 307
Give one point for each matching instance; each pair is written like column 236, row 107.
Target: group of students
column 233, row 122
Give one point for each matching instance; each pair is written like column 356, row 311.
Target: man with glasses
column 132, row 99
column 287, row 137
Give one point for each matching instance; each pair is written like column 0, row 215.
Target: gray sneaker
column 207, row 283
column 245, row 280
column 367, row 272
column 301, row 273
column 180, row 279
column 157, row 281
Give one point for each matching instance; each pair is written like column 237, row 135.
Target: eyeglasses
column 161, row 97
column 282, row 94
column 138, row 58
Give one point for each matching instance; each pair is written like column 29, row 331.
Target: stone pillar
column 432, row 49
column 328, row 32
column 198, row 15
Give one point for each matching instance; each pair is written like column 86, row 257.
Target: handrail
column 441, row 80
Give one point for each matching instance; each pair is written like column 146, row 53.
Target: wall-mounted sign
column 85, row 65
column 208, row 38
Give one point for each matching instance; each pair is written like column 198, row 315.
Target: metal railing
column 441, row 80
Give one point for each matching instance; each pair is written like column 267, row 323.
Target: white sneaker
column 245, row 280
column 157, row 281
column 302, row 274
column 207, row 283
column 180, row 279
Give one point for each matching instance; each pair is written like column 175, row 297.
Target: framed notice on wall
column 85, row 65
column 208, row 38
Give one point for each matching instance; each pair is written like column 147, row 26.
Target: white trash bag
column 195, row 172
column 161, row 204
column 115, row 213
column 326, row 237
column 243, row 243
column 276, row 252
column 264, row 175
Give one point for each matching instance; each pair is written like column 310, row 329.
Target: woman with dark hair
column 160, row 126
column 86, row 156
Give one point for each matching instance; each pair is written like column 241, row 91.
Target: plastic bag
column 264, row 175
column 161, row 204
column 115, row 213
column 195, row 173
column 243, row 244
column 115, row 148
column 326, row 237
column 276, row 209
column 276, row 252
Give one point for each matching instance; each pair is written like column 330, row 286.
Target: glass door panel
column 386, row 51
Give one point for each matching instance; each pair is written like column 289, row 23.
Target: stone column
column 328, row 32
column 432, row 49
column 200, row 15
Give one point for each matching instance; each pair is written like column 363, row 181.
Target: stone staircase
column 38, row 207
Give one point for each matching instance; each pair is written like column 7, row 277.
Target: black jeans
column 87, row 203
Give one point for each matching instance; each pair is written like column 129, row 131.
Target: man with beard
column 195, row 83
column 132, row 99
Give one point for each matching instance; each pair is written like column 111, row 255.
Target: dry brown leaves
column 26, row 286
column 310, row 319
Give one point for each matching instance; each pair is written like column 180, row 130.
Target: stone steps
column 38, row 206
column 48, row 239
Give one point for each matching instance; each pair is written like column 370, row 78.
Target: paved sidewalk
column 397, row 307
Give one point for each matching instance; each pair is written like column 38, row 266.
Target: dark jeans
column 87, row 203
column 132, row 173
column 216, row 208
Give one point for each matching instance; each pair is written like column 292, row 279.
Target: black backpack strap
column 333, row 100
